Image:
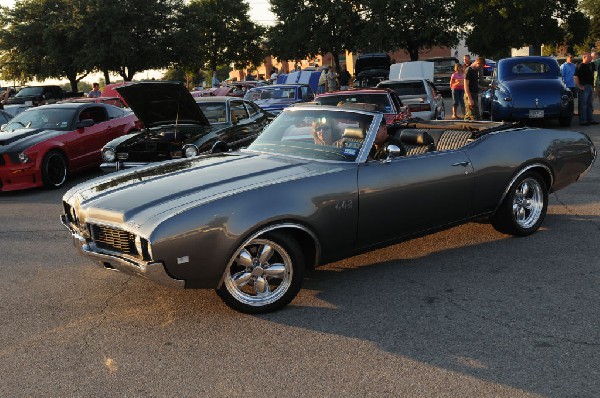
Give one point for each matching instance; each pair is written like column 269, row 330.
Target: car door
column 242, row 128
column 410, row 194
column 89, row 140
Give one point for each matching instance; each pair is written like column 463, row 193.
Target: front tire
column 54, row 170
column 524, row 207
column 263, row 275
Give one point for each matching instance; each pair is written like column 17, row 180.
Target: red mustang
column 43, row 145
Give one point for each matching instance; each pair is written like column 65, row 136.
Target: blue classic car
column 276, row 97
column 526, row 88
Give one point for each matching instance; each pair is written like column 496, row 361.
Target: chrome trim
column 272, row 228
column 154, row 271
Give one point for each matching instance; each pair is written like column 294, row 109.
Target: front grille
column 113, row 239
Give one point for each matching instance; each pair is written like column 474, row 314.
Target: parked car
column 385, row 100
column 420, row 96
column 250, row 223
column 488, row 68
column 42, row 146
column 443, row 68
column 179, row 125
column 370, row 69
column 115, row 101
column 528, row 88
column 36, row 95
column 274, row 98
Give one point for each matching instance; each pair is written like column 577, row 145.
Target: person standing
column 322, row 81
column 596, row 62
column 471, row 87
column 466, row 61
column 215, row 82
column 567, row 70
column 457, row 85
column 95, row 93
column 344, row 78
column 584, row 80
column 332, row 82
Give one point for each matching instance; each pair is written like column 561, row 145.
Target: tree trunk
column 106, row 76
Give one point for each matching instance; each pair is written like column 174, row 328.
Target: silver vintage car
column 309, row 191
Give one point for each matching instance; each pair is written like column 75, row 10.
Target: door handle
column 463, row 164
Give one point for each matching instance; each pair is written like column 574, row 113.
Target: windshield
column 315, row 134
column 270, row 93
column 215, row 112
column 29, row 91
column 41, row 118
column 406, row 88
column 380, row 100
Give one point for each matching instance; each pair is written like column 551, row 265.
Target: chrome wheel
column 260, row 273
column 523, row 209
column 528, row 203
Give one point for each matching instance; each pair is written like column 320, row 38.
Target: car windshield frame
column 291, row 134
column 267, row 93
column 214, row 116
column 46, row 118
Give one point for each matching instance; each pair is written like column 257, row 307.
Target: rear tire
column 54, row 170
column 524, row 207
column 264, row 274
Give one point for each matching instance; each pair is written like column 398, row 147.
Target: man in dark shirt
column 382, row 141
column 472, row 89
column 584, row 81
column 344, row 78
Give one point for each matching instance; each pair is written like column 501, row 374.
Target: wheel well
column 545, row 174
column 60, row 152
column 307, row 241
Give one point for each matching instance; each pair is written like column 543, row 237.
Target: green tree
column 41, row 40
column 129, row 36
column 591, row 8
column 409, row 25
column 309, row 28
column 218, row 32
column 496, row 26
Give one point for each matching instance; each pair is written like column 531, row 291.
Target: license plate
column 536, row 113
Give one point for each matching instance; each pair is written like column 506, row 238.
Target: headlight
column 23, row 158
column 109, row 155
column 189, row 151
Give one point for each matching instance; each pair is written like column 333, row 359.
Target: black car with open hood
column 370, row 69
column 178, row 125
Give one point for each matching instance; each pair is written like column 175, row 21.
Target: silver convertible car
column 308, row 191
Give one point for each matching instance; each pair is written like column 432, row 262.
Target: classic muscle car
column 385, row 100
column 274, row 98
column 179, row 125
column 250, row 223
column 41, row 146
column 528, row 88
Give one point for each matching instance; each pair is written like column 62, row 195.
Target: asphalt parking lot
column 467, row 312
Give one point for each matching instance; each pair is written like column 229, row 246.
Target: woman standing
column 457, row 84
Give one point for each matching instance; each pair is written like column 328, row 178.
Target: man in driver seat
column 382, row 141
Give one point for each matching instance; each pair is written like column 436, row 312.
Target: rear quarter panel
column 498, row 157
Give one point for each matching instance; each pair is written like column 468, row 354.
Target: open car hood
column 377, row 63
column 157, row 103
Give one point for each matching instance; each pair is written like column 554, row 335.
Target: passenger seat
column 416, row 141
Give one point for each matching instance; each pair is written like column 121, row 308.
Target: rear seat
column 453, row 139
column 416, row 141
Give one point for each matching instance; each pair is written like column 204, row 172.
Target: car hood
column 375, row 64
column 173, row 186
column 156, row 103
column 21, row 139
column 525, row 92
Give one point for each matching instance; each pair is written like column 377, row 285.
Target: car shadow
column 497, row 308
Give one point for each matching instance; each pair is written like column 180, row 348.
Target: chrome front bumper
column 116, row 166
column 154, row 271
